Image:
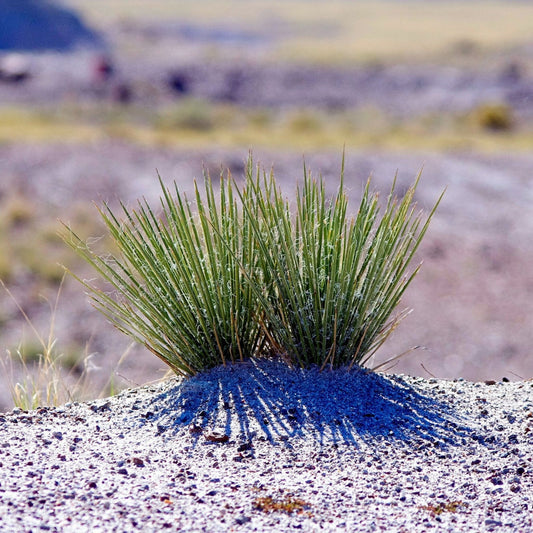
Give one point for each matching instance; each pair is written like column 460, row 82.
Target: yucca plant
column 177, row 284
column 242, row 276
column 332, row 282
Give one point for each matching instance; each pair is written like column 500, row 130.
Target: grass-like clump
column 241, row 276
column 332, row 280
column 179, row 286
column 36, row 371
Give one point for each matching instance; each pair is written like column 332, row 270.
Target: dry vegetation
column 195, row 123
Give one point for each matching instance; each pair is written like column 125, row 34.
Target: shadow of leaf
column 269, row 400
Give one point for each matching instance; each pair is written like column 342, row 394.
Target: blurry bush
column 494, row 117
column 189, row 114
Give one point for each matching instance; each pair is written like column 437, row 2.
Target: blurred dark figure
column 14, row 68
column 234, row 81
column 178, row 82
column 512, row 73
column 107, row 84
column 103, row 69
column 122, row 93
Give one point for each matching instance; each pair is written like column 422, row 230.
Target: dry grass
column 36, row 375
column 288, row 504
column 18, row 124
column 37, row 368
column 445, row 507
column 28, row 234
column 207, row 124
column 39, row 372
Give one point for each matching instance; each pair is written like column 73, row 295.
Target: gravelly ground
column 238, row 449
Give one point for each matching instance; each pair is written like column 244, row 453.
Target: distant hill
column 38, row 25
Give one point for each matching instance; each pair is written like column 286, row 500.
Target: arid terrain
column 200, row 99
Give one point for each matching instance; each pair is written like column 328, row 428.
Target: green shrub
column 242, row 277
column 332, row 281
column 179, row 286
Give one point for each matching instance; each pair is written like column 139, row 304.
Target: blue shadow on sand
column 334, row 407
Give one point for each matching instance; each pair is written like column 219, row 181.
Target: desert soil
column 259, row 447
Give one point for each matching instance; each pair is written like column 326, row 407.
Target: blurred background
column 97, row 96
